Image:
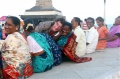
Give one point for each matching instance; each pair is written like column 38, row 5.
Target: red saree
column 69, row 50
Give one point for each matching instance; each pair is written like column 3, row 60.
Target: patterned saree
column 54, row 48
column 69, row 47
column 16, row 58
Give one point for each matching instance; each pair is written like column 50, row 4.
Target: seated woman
column 103, row 33
column 114, row 38
column 42, row 58
column 54, row 48
column 16, row 58
column 67, row 42
column 80, row 37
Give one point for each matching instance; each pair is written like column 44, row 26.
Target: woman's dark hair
column 15, row 20
column 68, row 24
column 78, row 20
column 90, row 18
column 100, row 19
column 26, row 22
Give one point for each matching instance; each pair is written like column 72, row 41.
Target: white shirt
column 33, row 45
column 92, row 39
column 81, row 40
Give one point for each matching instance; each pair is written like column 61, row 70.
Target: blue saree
column 45, row 61
column 55, row 49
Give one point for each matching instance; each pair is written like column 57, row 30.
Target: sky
column 70, row 8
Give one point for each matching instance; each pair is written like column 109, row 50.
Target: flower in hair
column 29, row 25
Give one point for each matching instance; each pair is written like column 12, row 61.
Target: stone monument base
column 38, row 14
column 40, row 18
column 42, row 11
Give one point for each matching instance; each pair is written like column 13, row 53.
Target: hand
column 60, row 32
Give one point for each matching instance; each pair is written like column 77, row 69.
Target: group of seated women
column 31, row 52
column 39, row 49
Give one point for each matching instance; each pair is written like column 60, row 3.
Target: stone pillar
column 44, row 3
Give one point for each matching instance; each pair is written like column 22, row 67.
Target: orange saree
column 102, row 34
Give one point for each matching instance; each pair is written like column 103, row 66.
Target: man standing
column 91, row 36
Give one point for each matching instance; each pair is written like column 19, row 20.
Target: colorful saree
column 116, row 43
column 45, row 61
column 69, row 49
column 54, row 48
column 16, row 58
column 102, row 34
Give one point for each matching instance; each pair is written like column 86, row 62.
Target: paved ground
column 104, row 64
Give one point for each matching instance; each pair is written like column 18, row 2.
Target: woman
column 114, row 38
column 80, row 37
column 103, row 34
column 67, row 43
column 16, row 58
column 54, row 48
column 42, row 58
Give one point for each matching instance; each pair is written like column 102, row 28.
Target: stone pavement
column 105, row 65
